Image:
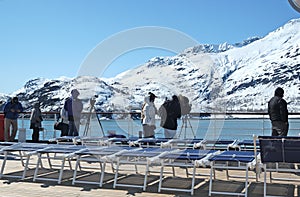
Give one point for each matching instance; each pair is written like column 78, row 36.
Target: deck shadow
column 228, row 186
column 136, row 179
column 201, row 184
column 273, row 189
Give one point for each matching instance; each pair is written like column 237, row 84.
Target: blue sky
column 51, row 38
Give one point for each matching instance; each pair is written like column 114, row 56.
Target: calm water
column 199, row 128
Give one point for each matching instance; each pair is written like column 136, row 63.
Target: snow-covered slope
column 262, row 66
column 241, row 77
column 51, row 93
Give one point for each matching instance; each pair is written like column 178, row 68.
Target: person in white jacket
column 148, row 116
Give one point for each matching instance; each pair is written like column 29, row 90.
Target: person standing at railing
column 11, row 113
column 36, row 122
column 169, row 112
column 148, row 116
column 65, row 122
column 278, row 112
column 74, row 107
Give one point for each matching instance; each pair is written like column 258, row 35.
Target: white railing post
column 22, row 130
column 54, row 131
column 263, row 129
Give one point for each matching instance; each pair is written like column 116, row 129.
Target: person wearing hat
column 36, row 122
column 11, row 114
column 148, row 116
column 74, row 107
column 278, row 113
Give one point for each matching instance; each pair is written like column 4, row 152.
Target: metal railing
column 194, row 125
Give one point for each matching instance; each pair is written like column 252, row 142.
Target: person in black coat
column 74, row 106
column 36, row 122
column 169, row 112
column 278, row 113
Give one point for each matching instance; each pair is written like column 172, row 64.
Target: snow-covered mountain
column 238, row 77
column 51, row 93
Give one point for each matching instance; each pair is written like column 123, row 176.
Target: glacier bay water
column 198, row 128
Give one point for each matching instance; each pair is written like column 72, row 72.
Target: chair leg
column 246, row 182
column 227, row 171
column 75, row 170
column 265, row 180
column 112, row 167
column 49, row 161
column 26, row 167
column 146, row 176
column 70, row 164
column 210, row 179
column 161, row 177
column 37, row 167
column 193, row 180
column 116, row 174
column 61, row 170
column 173, row 170
column 3, row 164
column 21, row 158
column 102, row 173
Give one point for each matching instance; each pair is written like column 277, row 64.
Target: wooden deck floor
column 27, row 188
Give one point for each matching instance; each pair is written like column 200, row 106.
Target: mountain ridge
column 225, row 77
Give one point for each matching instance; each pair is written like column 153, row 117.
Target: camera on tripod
column 92, row 106
column 93, row 100
column 186, row 108
column 185, row 105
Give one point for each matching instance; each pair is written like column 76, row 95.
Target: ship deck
column 28, row 188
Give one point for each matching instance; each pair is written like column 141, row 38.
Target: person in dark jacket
column 11, row 114
column 169, row 112
column 64, row 122
column 278, row 112
column 74, row 107
column 36, row 122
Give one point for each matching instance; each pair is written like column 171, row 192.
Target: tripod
column 185, row 124
column 87, row 125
